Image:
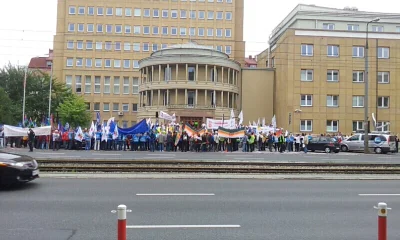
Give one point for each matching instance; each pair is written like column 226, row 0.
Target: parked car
column 17, row 169
column 377, row 142
column 326, row 144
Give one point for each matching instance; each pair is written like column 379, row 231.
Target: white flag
column 232, row 114
column 91, row 130
column 79, row 135
column 263, row 122
column 115, row 133
column 240, row 117
column 273, row 121
column 103, row 133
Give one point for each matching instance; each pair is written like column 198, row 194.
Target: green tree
column 7, row 109
column 73, row 110
column 37, row 92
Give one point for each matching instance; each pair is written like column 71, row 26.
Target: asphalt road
column 76, row 209
column 219, row 156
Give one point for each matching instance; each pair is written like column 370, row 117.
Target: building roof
column 250, row 61
column 191, row 45
column 317, row 12
column 41, row 62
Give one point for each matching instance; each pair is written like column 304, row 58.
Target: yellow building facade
column 98, row 46
column 318, row 55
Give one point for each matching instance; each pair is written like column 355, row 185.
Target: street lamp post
column 366, row 105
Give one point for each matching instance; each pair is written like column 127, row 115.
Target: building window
column 125, row 107
column 218, row 48
column 71, row 27
column 106, row 107
column 79, row 62
column 107, row 63
column 88, row 84
column 117, row 63
column 99, row 28
column 383, row 77
column 192, row 31
column 96, row 107
column 100, row 11
column 128, row 29
column 89, row 62
column 220, row 15
column 68, row 81
column 174, row 13
column 127, row 63
column 307, row 50
column 128, row 12
column 306, row 100
column 383, row 102
column 87, row 106
column 90, row 27
column 332, row 75
column 383, row 126
column 353, row 27
column 192, row 14
column 98, row 62
column 328, row 26
column 72, row 10
column 124, row 124
column 136, row 29
column 109, row 11
column 99, row 45
column 70, row 44
column 97, row 84
column 135, row 85
column 107, row 81
column 115, row 107
column 146, row 12
column 108, row 46
column 164, row 30
column 135, row 63
column 183, row 13
column 228, row 33
column 190, row 98
column 126, row 85
column 81, row 10
column 78, row 84
column 202, row 15
column 117, row 82
column 358, row 76
column 210, row 15
column 79, row 45
column 332, row 100
column 155, row 30
column 134, row 107
column 127, row 46
column 201, row 32
column 137, row 12
column 376, row 28
column 332, row 125
column 228, row 50
column 89, row 45
column 136, row 47
column 81, row 27
column 118, row 12
column 174, row 30
column 307, row 75
column 228, row 16
column 164, row 13
column 146, row 30
column 358, row 51
column 333, row 51
column 90, row 11
column 165, row 98
column 210, row 32
column 383, row 52
column 167, row 74
column 191, row 73
column 306, row 125
column 358, row 101
column 182, row 32
column 117, row 46
column 118, row 28
column 70, row 62
column 358, row 126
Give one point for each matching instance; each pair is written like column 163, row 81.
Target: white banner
column 10, row 131
column 166, row 116
column 215, row 124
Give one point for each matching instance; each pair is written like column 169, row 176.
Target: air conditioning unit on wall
column 120, row 113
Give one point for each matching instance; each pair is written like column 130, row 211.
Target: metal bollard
column 382, row 220
column 121, row 226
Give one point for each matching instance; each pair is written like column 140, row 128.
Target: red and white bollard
column 382, row 220
column 121, row 226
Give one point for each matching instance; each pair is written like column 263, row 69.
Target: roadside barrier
column 382, row 220
column 121, row 225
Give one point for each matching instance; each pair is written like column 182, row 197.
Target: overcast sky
column 27, row 26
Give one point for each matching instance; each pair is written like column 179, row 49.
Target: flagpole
column 51, row 83
column 23, row 103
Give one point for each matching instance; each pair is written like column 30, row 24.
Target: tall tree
column 37, row 92
column 73, row 110
column 7, row 109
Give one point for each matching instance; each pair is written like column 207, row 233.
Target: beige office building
column 99, row 44
column 318, row 54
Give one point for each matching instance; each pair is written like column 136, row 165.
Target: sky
column 27, row 27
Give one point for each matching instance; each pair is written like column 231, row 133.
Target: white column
column 159, row 73
column 197, row 92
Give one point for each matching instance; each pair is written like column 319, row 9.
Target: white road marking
column 379, row 194
column 181, row 226
column 160, row 154
column 158, row 157
column 49, row 153
column 175, row 194
column 250, row 158
column 105, row 154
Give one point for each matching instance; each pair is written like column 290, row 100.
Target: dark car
column 16, row 169
column 326, row 144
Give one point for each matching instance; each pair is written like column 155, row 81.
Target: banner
column 193, row 132
column 231, row 133
column 166, row 116
column 10, row 131
column 215, row 124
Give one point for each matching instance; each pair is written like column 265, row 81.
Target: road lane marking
column 160, row 154
column 250, row 158
column 50, row 153
column 181, row 226
column 156, row 157
column 379, row 194
column 106, row 154
column 175, row 194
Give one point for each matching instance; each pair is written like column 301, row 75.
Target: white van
column 378, row 142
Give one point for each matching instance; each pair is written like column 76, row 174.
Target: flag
column 263, row 122
column 112, row 119
column 258, row 122
column 240, row 117
column 91, row 130
column 79, row 135
column 273, row 121
column 60, row 127
column 66, row 127
column 103, row 133
column 97, row 118
column 115, row 133
column 232, row 114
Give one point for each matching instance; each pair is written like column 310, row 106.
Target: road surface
column 76, row 209
column 219, row 156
